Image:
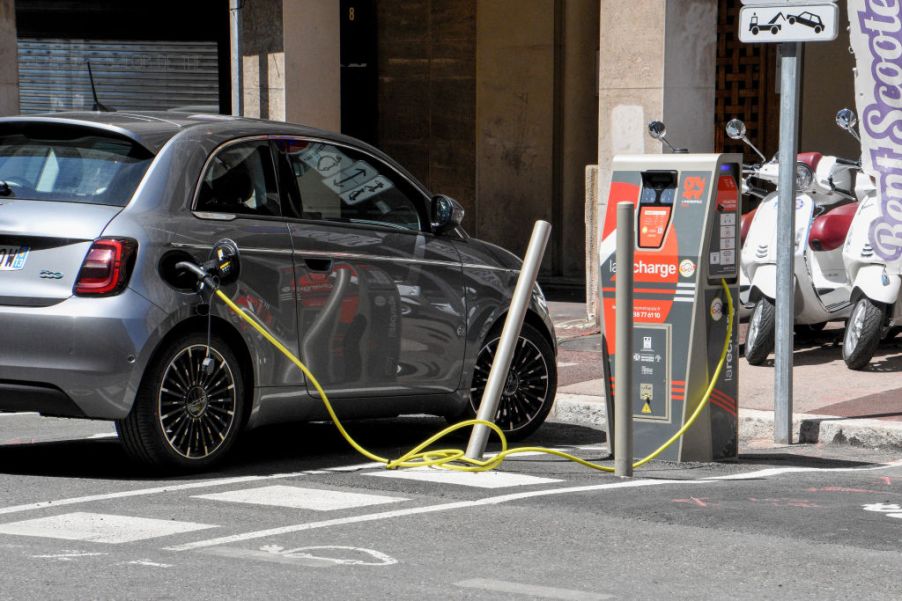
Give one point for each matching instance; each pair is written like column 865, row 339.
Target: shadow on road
column 265, row 451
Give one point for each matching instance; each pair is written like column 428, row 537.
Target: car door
column 238, row 198
column 380, row 298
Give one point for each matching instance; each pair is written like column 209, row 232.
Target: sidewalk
column 832, row 404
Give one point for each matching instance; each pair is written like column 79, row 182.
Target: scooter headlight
column 804, row 177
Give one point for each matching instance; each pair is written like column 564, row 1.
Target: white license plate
column 12, row 258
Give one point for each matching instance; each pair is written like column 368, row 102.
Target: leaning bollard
column 623, row 334
column 491, row 396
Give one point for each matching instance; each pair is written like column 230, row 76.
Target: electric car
column 345, row 258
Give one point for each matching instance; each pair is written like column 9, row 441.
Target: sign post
column 789, row 23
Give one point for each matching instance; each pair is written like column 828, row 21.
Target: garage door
column 129, row 75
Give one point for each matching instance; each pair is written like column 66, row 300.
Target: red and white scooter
column 824, row 208
column 876, row 301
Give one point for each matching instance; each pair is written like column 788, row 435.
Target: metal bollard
column 491, row 396
column 623, row 333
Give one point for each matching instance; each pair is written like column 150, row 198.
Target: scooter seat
column 745, row 225
column 828, row 231
column 810, row 158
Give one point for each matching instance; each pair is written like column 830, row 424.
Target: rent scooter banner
column 876, row 36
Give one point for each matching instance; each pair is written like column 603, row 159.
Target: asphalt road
column 295, row 515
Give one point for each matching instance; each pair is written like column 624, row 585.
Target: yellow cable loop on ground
column 455, row 459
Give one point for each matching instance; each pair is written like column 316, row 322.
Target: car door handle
column 318, row 264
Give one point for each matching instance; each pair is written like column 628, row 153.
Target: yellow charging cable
column 456, row 459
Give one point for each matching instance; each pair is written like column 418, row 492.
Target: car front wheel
column 530, row 387
column 186, row 417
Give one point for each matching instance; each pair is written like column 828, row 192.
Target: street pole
column 510, row 333
column 237, row 84
column 623, row 342
column 790, row 57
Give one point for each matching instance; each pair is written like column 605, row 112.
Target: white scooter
column 877, row 304
column 824, row 207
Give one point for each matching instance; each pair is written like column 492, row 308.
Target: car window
column 337, row 183
column 241, row 179
column 70, row 164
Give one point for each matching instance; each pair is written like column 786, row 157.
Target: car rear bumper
column 43, row 398
column 82, row 357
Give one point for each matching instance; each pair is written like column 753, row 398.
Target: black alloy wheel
column 186, row 416
column 531, row 384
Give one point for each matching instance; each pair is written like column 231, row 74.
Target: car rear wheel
column 186, row 417
column 531, row 384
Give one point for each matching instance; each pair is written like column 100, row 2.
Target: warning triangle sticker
column 646, row 408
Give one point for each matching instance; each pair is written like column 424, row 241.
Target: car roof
column 152, row 129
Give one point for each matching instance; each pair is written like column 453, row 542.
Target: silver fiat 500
column 345, row 258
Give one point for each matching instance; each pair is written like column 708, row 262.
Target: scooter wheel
column 759, row 341
column 862, row 333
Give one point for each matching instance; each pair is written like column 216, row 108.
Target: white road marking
column 777, row 471
column 174, row 488
column 567, row 364
column 20, row 414
column 372, row 517
column 352, row 555
column 296, row 497
column 147, row 562
column 68, row 555
column 99, row 528
column 491, row 479
column 102, row 435
column 532, row 590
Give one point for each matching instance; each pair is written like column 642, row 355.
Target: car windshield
column 69, row 164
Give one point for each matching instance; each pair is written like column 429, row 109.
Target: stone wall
column 9, row 73
column 426, row 98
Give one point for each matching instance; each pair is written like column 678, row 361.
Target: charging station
column 686, row 241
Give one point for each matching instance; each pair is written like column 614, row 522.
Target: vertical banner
column 876, row 36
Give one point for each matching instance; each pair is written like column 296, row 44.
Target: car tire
column 184, row 419
column 759, row 342
column 529, row 392
column 862, row 333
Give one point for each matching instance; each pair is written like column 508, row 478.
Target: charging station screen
column 655, row 206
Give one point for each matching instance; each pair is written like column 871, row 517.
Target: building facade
column 501, row 104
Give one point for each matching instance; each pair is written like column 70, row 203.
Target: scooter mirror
column 846, row 119
column 657, row 130
column 735, row 129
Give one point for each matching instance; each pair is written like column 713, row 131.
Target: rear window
column 70, row 164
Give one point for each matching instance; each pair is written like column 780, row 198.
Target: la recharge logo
column 640, row 267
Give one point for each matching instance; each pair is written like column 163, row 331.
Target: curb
column 589, row 410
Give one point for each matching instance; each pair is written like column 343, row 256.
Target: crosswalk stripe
column 296, row 497
column 493, row 479
column 99, row 528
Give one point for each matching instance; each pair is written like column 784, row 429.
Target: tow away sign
column 774, row 22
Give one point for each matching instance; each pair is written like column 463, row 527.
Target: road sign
column 788, row 22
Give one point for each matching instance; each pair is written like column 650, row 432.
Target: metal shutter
column 128, row 75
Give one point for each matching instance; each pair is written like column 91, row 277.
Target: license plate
column 12, row 258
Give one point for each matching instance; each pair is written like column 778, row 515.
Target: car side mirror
column 447, row 213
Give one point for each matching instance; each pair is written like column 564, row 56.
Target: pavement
column 832, row 404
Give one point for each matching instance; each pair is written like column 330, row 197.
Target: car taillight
column 106, row 269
